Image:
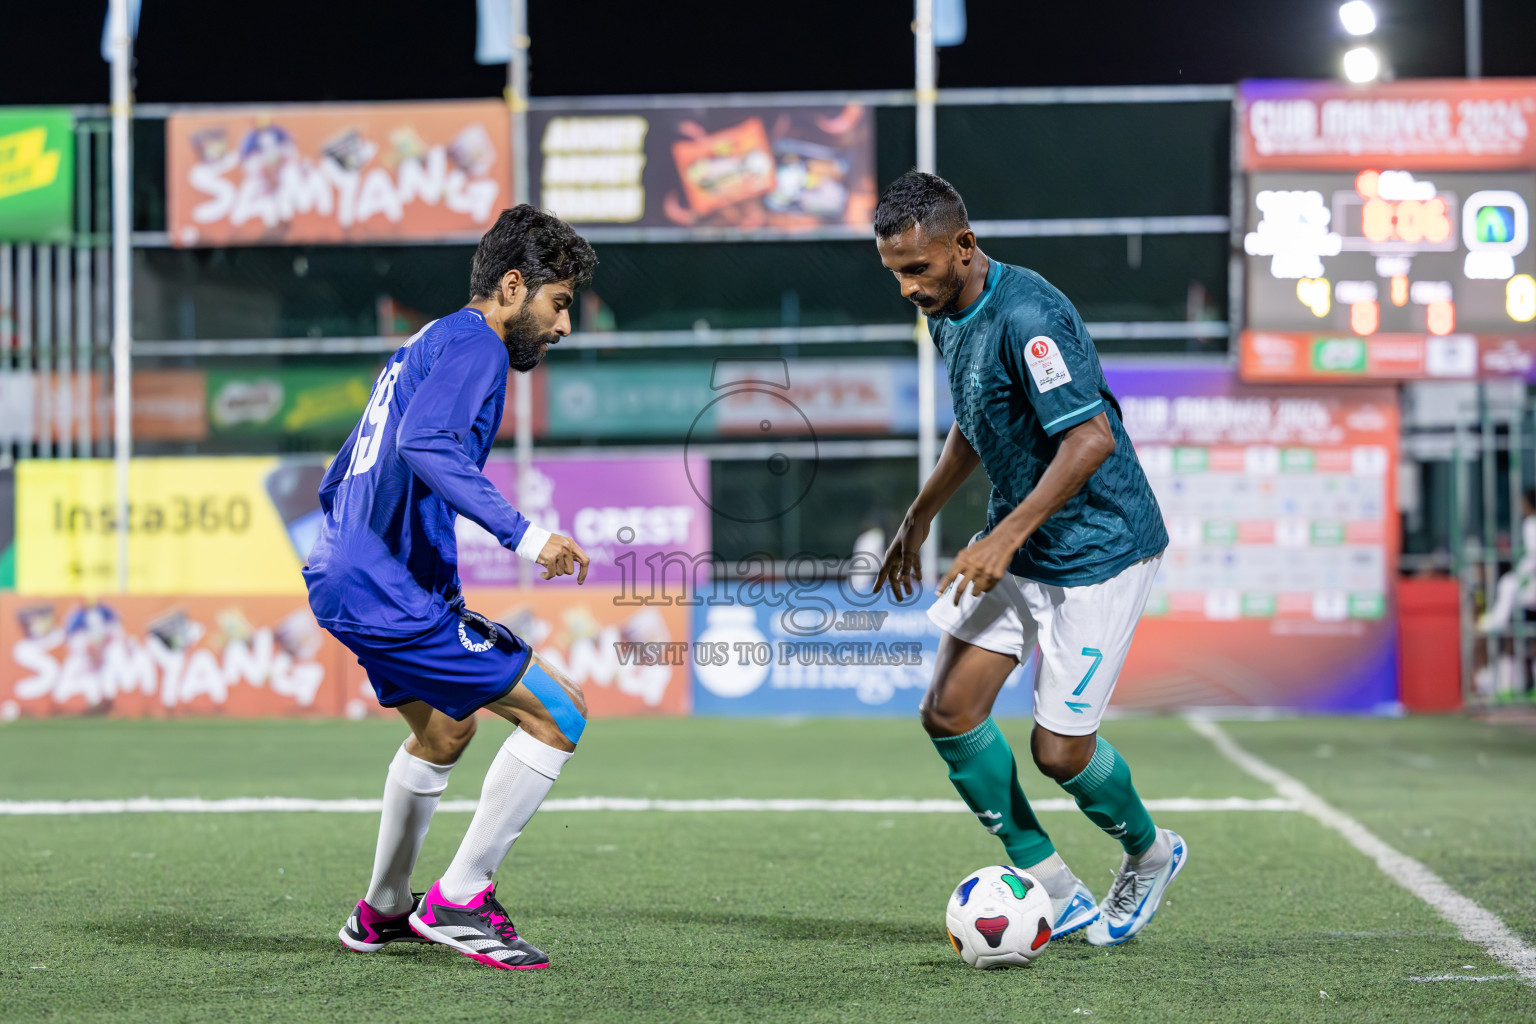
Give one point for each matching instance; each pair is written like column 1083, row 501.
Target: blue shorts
column 458, row 666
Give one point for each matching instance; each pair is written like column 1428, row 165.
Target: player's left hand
column 562, row 557
column 979, row 565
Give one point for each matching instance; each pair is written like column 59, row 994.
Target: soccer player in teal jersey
column 1074, row 538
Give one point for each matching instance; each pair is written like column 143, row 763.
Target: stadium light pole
column 1473, row 12
column 122, row 275
column 927, row 160
column 522, row 191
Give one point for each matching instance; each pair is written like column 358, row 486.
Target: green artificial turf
column 732, row 916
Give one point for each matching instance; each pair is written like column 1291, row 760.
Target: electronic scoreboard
column 1390, row 250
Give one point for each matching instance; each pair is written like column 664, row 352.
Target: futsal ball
column 999, row 917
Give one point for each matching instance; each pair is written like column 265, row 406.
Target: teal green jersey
column 1022, row 369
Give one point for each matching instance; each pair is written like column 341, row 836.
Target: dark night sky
column 283, row 50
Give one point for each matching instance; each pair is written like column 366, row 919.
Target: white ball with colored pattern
column 999, row 917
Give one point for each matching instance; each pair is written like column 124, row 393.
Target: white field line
column 243, row 805
column 1473, row 922
column 1466, row 977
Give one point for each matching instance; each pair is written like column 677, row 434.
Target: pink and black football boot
column 368, row 931
column 480, row 929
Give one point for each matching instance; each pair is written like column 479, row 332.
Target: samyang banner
column 775, row 169
column 307, row 174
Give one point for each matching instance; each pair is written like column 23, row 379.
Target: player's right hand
column 561, row 557
column 904, row 560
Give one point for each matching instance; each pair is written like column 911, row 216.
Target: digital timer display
column 1390, row 250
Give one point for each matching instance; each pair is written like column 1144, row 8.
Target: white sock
column 1059, row 881
column 411, row 792
column 517, row 783
column 1153, row 858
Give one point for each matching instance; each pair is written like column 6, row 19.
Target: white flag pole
column 927, row 442
column 122, row 273
column 522, row 383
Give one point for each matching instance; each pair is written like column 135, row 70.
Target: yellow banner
column 197, row 525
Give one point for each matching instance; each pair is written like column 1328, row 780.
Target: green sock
column 982, row 768
column 1104, row 792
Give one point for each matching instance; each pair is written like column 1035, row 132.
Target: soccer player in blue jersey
column 1073, row 541
column 383, row 578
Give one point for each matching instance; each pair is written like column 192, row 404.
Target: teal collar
column 993, row 272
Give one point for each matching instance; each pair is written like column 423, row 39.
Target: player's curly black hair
column 918, row 197
column 541, row 245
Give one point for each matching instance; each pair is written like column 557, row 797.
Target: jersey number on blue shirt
column 367, row 451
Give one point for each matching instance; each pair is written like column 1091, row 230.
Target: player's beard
column 949, row 303
column 525, row 342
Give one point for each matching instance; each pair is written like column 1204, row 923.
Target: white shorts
column 1084, row 634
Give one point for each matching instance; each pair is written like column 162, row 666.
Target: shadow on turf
column 172, row 931
column 770, row 926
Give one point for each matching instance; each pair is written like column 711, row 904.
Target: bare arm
column 903, row 560
column 1083, row 450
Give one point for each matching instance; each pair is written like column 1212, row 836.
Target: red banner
column 293, row 175
column 1292, row 357
column 1439, row 124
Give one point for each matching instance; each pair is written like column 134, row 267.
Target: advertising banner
column 343, row 173
column 205, row 525
column 324, row 401
column 822, row 648
column 45, row 406
column 777, row 169
column 7, row 528
column 253, row 657
column 700, row 399
column 1300, row 357
column 1430, row 124
column 37, row 175
column 288, row 400
column 242, row 657
column 195, row 525
column 1276, row 587
column 601, row 642
column 621, row 511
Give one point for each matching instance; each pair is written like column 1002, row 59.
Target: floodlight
column 1358, row 18
column 1362, row 65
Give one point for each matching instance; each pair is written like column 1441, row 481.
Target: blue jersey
column 386, row 563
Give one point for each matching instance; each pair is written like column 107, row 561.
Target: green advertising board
column 37, row 174
column 319, row 400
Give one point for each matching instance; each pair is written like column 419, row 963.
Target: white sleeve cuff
column 532, row 544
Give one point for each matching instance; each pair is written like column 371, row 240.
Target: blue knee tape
column 554, row 698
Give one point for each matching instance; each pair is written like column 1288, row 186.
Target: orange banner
column 255, row 657
column 580, row 630
column 373, row 172
column 132, row 657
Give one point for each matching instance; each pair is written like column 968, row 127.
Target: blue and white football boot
column 1074, row 913
column 1134, row 898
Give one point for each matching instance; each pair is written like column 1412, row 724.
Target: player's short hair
column 541, row 245
column 923, row 199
